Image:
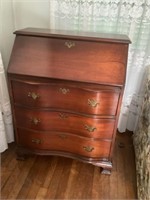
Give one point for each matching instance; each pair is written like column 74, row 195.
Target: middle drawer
column 64, row 122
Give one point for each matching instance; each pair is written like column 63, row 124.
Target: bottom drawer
column 64, row 142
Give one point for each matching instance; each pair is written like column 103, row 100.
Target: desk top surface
column 76, row 35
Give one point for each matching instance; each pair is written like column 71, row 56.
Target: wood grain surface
column 48, row 177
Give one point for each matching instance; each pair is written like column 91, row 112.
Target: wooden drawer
column 65, row 143
column 65, row 97
column 64, row 122
column 70, row 59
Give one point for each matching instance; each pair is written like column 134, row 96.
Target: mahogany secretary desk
column 66, row 90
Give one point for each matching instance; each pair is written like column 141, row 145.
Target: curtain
column 6, row 127
column 130, row 17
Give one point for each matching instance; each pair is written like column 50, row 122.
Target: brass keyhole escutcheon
column 35, row 121
column 89, row 128
column 33, row 95
column 69, row 44
column 88, row 148
column 63, row 115
column 64, row 90
column 36, row 141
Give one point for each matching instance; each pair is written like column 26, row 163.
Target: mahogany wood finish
column 65, row 122
column 66, row 90
column 107, row 99
column 65, row 142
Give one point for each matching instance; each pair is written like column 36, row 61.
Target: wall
column 18, row 14
column 6, row 29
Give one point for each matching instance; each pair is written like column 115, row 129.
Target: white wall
column 33, row 13
column 18, row 14
column 6, row 29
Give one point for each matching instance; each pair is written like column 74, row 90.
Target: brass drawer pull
column 35, row 121
column 89, row 128
column 63, row 115
column 33, row 95
column 92, row 103
column 62, row 136
column 88, row 148
column 64, row 90
column 36, row 141
column 69, row 44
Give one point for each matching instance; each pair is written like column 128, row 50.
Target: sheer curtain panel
column 130, row 17
column 6, row 126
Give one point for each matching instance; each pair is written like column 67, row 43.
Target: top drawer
column 77, row 60
column 64, row 96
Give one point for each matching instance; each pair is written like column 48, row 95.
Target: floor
column 49, row 177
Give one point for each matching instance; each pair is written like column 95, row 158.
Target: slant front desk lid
column 70, row 55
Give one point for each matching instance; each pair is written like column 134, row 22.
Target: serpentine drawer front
column 65, row 122
column 66, row 90
column 64, row 142
column 100, row 102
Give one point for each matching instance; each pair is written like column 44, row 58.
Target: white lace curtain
column 6, row 127
column 130, row 17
